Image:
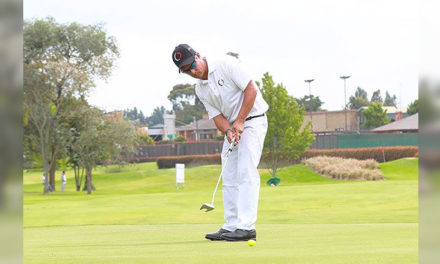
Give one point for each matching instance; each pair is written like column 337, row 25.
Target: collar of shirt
column 212, row 67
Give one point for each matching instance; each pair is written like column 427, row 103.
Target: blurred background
column 429, row 123
column 11, row 24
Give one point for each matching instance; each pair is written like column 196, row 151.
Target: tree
column 376, row 97
column 135, row 115
column 359, row 99
column 186, row 104
column 310, row 103
column 156, row 117
column 181, row 95
column 390, row 100
column 284, row 137
column 413, row 108
column 61, row 61
column 144, row 139
column 77, row 125
column 186, row 115
column 375, row 116
column 98, row 139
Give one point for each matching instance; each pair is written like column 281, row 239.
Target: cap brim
column 186, row 61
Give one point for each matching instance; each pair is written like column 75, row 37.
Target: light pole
column 310, row 99
column 345, row 99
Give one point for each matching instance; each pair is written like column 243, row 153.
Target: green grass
column 138, row 216
column 403, row 169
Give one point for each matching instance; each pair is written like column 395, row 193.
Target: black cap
column 183, row 55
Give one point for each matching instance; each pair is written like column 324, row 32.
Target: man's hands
column 237, row 129
column 250, row 93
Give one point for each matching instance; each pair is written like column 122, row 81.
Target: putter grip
column 231, row 146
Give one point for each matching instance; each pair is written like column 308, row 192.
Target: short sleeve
column 239, row 75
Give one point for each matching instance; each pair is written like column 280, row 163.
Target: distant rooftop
column 202, row 124
column 157, row 126
column 410, row 123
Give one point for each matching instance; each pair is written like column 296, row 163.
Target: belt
column 251, row 117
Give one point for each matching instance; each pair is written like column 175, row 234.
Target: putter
column 210, row 206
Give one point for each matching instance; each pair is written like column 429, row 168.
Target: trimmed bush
column 391, row 153
column 345, row 169
column 188, row 160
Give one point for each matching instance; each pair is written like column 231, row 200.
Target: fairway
column 138, row 216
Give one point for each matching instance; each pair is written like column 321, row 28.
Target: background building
column 169, row 128
column 409, row 124
column 331, row 121
column 156, row 132
column 202, row 129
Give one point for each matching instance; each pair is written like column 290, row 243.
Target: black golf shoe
column 240, row 235
column 217, row 235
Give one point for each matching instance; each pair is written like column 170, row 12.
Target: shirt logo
column 177, row 56
column 221, row 82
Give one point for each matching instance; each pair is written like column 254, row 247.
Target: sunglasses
column 193, row 66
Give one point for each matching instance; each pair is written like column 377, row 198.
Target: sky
column 373, row 41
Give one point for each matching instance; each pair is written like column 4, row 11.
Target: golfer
column 231, row 98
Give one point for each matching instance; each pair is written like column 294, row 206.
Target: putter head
column 207, row 206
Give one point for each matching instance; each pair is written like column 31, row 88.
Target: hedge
column 391, row 153
column 170, row 161
column 141, row 159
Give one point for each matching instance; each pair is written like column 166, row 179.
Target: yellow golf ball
column 251, row 242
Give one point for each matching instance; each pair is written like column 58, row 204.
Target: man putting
column 231, row 97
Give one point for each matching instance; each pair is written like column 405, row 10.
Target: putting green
column 137, row 216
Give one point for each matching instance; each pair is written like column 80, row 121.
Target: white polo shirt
column 223, row 92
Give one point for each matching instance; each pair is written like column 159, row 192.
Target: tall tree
column 135, row 115
column 413, row 108
column 98, row 138
column 375, row 116
column 284, row 137
column 186, row 104
column 310, row 103
column 181, row 95
column 359, row 99
column 156, row 117
column 390, row 100
column 60, row 61
column 77, row 111
column 376, row 97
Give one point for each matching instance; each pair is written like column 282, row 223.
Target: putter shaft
column 210, row 207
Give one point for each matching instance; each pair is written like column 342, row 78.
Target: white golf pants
column 241, row 180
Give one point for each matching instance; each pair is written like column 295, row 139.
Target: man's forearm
column 221, row 123
column 250, row 93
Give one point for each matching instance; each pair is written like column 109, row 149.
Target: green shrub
column 144, row 139
column 180, row 139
